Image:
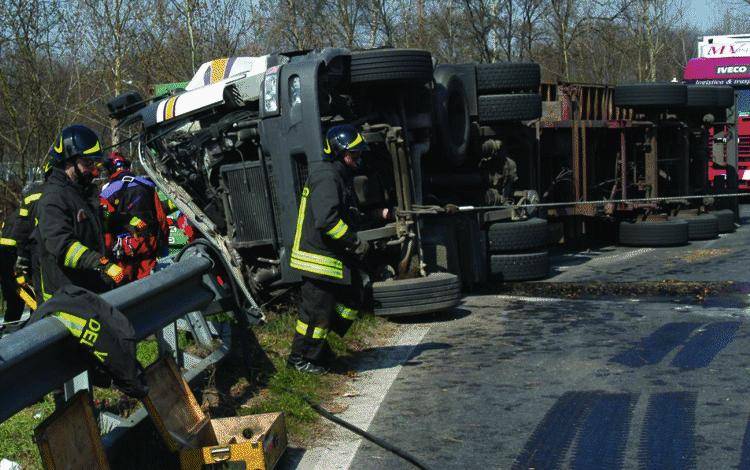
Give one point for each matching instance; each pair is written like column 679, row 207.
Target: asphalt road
column 509, row 382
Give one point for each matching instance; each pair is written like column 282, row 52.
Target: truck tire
column 389, row 65
column 452, row 120
column 505, row 108
column 503, row 77
column 710, row 96
column 651, row 95
column 467, row 73
column 726, row 220
column 654, row 233
column 556, row 233
column 724, row 96
column 521, row 235
column 433, row 293
column 701, row 227
column 520, row 266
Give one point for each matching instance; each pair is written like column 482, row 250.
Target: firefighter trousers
column 324, row 307
column 9, row 286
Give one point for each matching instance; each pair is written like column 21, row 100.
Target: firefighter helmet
column 76, row 141
column 343, row 138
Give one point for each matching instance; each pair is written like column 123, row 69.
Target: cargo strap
column 317, row 333
column 26, row 292
column 311, row 262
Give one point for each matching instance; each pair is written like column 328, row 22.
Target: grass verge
column 277, row 388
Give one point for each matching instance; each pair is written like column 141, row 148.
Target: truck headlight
column 271, row 90
column 295, row 90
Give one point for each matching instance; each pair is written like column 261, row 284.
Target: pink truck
column 725, row 60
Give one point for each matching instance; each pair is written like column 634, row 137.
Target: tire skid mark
column 654, row 347
column 603, row 438
column 704, row 346
column 668, row 435
column 548, row 444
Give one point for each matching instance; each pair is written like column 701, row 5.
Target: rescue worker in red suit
column 136, row 228
column 326, row 250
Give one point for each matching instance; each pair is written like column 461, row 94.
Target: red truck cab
column 725, row 60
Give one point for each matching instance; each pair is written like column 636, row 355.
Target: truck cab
column 234, row 148
column 725, row 61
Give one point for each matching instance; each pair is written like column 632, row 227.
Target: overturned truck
column 234, row 148
column 649, row 142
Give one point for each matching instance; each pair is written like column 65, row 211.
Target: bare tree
column 530, row 31
column 650, row 22
column 481, row 20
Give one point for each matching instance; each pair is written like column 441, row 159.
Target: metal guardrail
column 35, row 360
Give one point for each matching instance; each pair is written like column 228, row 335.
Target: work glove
column 22, row 266
column 111, row 274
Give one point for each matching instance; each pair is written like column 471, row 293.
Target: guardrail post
column 78, row 383
column 167, row 342
column 199, row 328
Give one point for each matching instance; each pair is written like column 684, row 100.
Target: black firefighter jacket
column 105, row 336
column 26, row 221
column 325, row 233
column 70, row 236
column 7, row 242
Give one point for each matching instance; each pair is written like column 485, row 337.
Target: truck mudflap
column 208, row 229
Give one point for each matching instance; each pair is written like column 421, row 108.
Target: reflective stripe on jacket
column 324, row 229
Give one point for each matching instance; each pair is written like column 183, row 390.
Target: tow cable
column 356, row 430
column 439, row 209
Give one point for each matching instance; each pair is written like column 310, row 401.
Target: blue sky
column 700, row 12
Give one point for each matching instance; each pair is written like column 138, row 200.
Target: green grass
column 287, row 387
column 16, row 434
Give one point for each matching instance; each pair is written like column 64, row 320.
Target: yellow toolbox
column 243, row 442
column 69, row 438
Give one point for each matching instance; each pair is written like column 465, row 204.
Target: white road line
column 367, row 393
column 529, row 299
column 619, row 257
column 596, row 261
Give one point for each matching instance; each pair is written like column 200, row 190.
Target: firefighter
column 8, row 246
column 27, row 262
column 135, row 221
column 70, row 234
column 502, row 172
column 326, row 250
